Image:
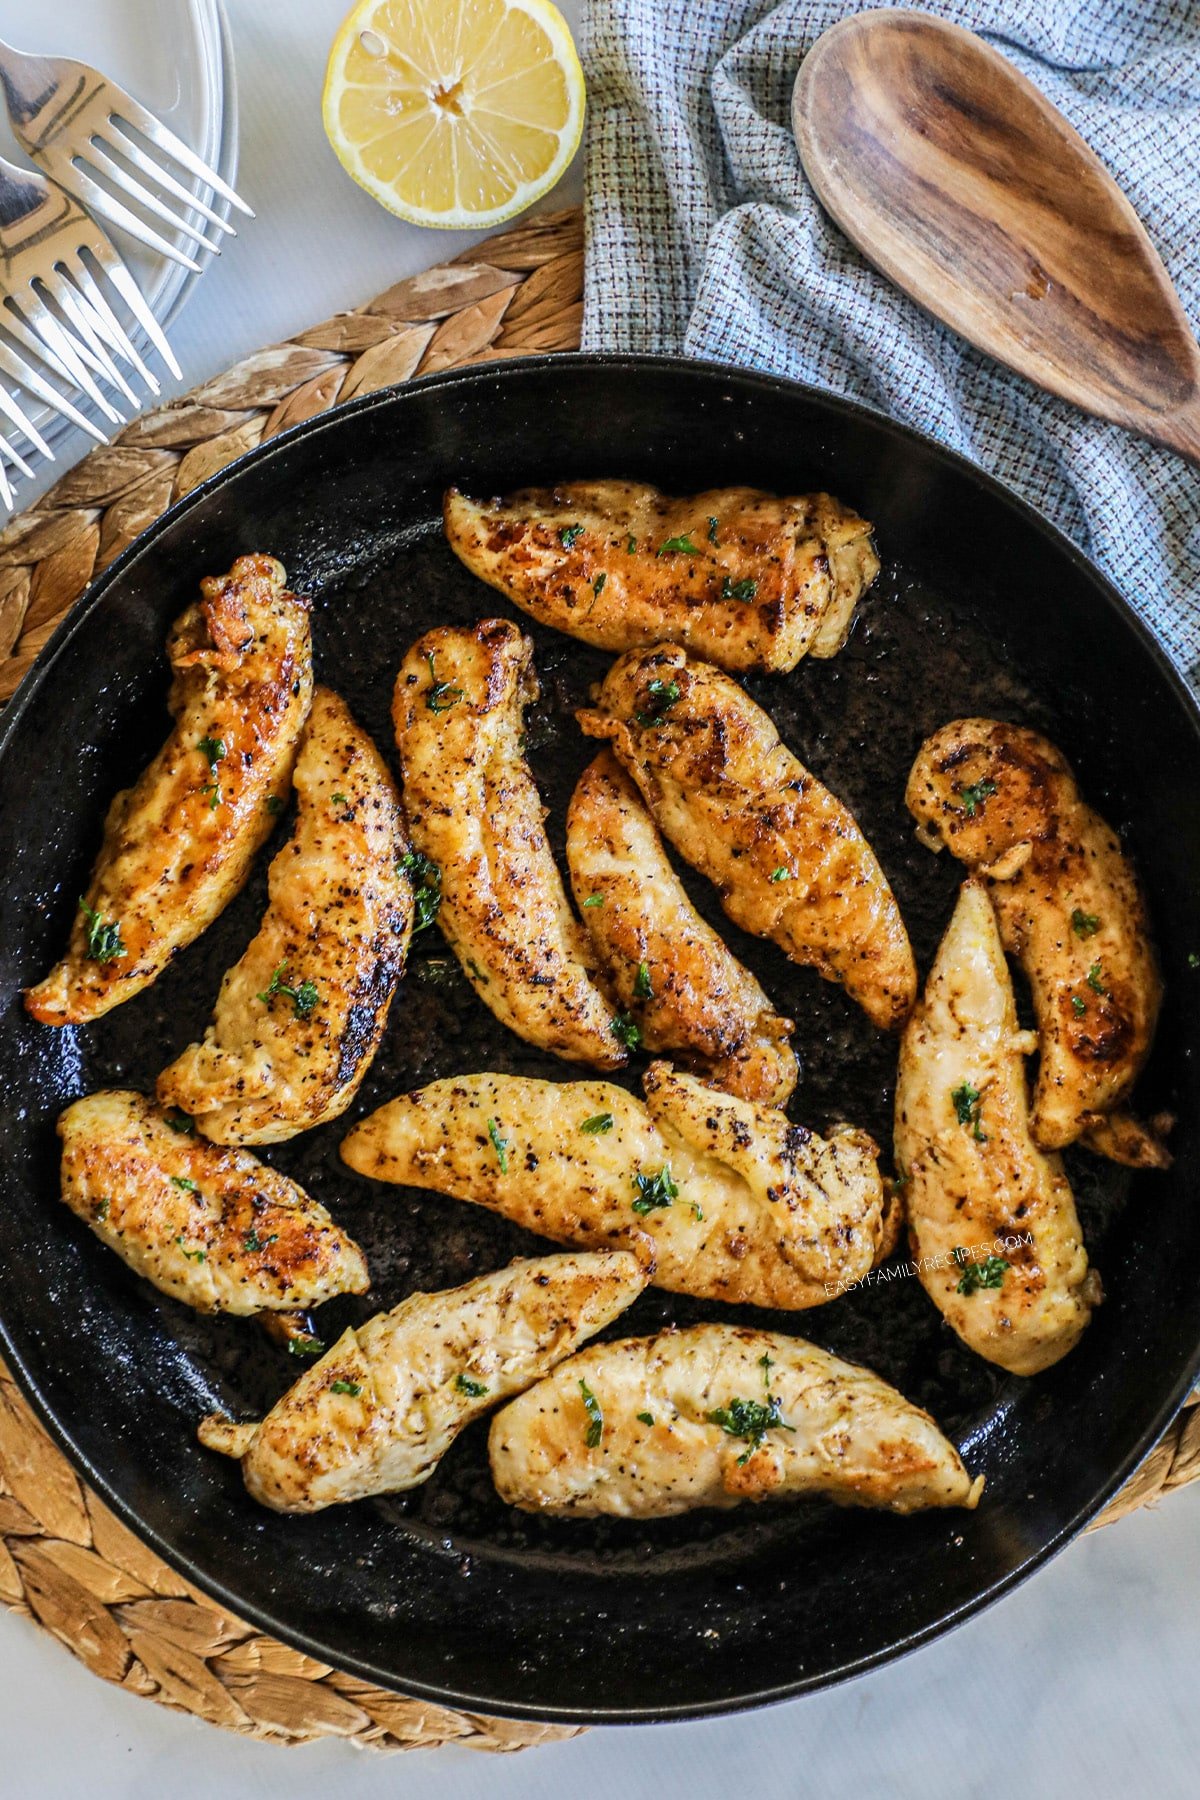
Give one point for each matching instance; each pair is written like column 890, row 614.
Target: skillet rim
column 629, row 364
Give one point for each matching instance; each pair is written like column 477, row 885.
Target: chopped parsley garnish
column 1078, row 1005
column 654, row 1191
column 353, row 1388
column 597, row 1125
column 441, row 695
column 599, row 583
column 973, row 797
column 186, row 1183
column 902, row 1177
column 179, row 1121
column 500, row 1145
column 252, row 1241
column 426, row 879
column 594, row 900
column 631, row 544
column 274, row 804
column 697, row 1213
column 682, row 544
column 103, row 940
column 641, row 983
column 986, row 1274
column 569, row 535
column 102, row 1210
column 338, row 799
column 191, row 1255
column 1193, row 960
column 591, row 1407
column 646, row 1418
column 712, row 529
column 1095, row 980
column 303, row 998
column 968, row 1104
column 780, row 874
column 306, row 1347
column 739, row 590
column 477, row 972
column 751, row 1420
column 474, row 1390
column 1084, row 925
column 626, row 1031
column 213, row 750
column 660, row 696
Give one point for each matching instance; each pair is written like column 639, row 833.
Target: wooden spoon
column 964, row 185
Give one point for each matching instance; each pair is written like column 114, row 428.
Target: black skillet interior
column 444, row 1592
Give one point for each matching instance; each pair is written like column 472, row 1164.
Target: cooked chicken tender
column 977, row 1188
column 715, row 1416
column 214, row 1228
column 1070, row 910
column 475, row 813
column 718, row 1197
column 382, row 1407
column 671, row 972
column 300, row 1017
column 746, row 579
column 787, row 859
column 178, row 845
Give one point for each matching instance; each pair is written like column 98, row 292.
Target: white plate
column 173, row 56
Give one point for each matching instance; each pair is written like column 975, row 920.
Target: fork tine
column 131, row 294
column 164, row 139
column 27, row 377
column 105, row 321
column 80, row 318
column 26, row 426
column 6, row 493
column 101, row 160
column 6, row 449
column 46, row 327
column 98, row 200
column 120, row 140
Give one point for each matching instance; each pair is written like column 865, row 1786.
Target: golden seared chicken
column 1070, row 910
column 299, row 1018
column 178, row 845
column 382, row 1407
column 670, row 971
column 476, row 817
column 991, row 1217
column 214, row 1228
column 714, row 1416
column 719, row 1197
column 747, row 579
column 787, row 859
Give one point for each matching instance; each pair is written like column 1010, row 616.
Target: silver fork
column 78, row 125
column 55, row 317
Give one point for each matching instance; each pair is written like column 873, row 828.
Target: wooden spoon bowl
column 962, row 183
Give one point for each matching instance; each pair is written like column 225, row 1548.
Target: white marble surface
column 1082, row 1683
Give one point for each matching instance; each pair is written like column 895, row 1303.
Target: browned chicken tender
column 746, row 579
column 786, row 857
column 382, row 1407
column 178, row 845
column 645, row 1428
column 475, row 813
column 300, row 1017
column 992, row 1218
column 670, row 971
column 1070, row 910
column 719, row 1197
column 214, row 1228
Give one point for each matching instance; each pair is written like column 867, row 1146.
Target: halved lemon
column 454, row 112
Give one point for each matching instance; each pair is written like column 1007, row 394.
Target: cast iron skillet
column 444, row 1593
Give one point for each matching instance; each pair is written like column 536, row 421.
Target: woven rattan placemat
column 64, row 1559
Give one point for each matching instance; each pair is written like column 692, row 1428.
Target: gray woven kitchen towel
column 704, row 236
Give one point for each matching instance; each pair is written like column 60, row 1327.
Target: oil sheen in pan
column 913, row 661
